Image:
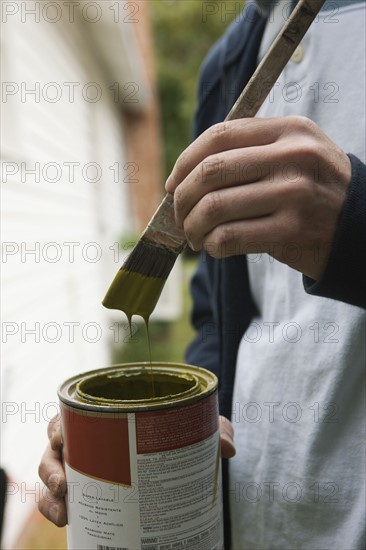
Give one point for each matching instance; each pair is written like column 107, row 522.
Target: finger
column 228, row 205
column 54, row 433
column 232, row 168
column 250, row 132
column 52, row 473
column 53, row 509
column 264, row 235
column 226, row 438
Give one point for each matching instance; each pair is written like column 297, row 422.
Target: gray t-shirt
column 298, row 479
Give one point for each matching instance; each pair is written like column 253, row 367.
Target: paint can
column 143, row 472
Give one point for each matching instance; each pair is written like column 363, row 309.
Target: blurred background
column 97, row 101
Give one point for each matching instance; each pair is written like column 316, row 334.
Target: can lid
column 138, row 386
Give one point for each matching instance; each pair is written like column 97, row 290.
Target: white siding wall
column 37, row 292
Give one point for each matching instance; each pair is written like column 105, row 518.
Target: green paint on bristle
column 134, row 294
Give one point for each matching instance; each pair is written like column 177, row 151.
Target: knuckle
column 302, row 123
column 307, row 151
column 178, row 199
column 219, row 132
column 212, row 166
column 211, row 205
column 303, row 128
column 222, row 238
column 225, row 234
column 300, row 154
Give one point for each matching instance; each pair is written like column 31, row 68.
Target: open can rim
column 200, row 384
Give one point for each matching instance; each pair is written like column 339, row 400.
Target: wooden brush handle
column 275, row 60
column 162, row 228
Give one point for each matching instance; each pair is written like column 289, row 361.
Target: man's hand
column 51, row 471
column 52, row 504
column 262, row 185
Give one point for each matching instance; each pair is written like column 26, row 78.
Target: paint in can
column 142, row 473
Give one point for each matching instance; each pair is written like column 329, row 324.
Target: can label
column 146, row 480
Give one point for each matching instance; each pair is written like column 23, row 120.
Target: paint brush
column 138, row 284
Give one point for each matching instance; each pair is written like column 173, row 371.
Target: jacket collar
column 237, row 35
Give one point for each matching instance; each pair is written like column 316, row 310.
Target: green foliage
column 184, row 31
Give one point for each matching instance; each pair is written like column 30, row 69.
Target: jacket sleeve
column 345, row 275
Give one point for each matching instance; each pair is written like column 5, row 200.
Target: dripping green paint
column 135, row 294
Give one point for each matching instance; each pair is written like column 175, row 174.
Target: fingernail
column 168, row 184
column 230, row 443
column 227, row 438
column 191, row 245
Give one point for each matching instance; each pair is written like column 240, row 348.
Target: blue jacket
column 223, row 306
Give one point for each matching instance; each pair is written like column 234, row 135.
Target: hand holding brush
column 138, row 284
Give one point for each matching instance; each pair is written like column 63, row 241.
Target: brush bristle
column 150, row 260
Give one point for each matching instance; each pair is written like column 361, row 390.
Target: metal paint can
column 143, row 472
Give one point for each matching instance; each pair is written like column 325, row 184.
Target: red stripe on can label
column 168, row 429
column 96, row 445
